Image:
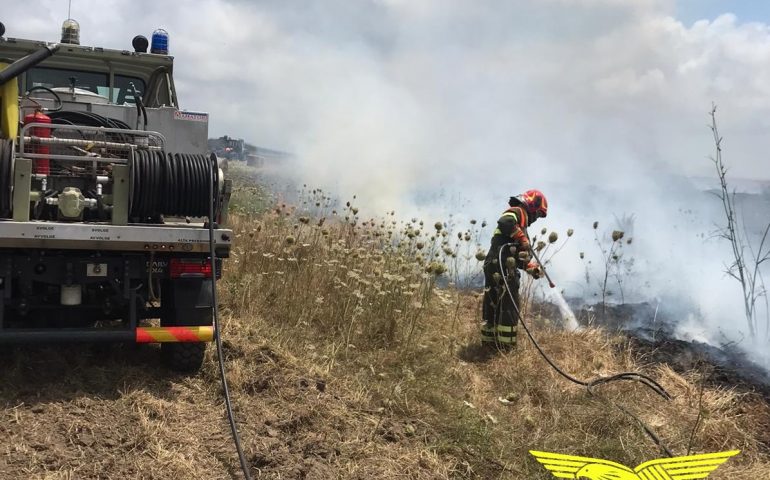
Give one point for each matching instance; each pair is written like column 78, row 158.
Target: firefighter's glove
column 534, row 269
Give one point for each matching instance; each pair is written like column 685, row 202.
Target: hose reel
column 171, row 184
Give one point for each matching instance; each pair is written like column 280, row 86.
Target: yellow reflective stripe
column 510, row 340
column 498, row 232
column 509, row 214
column 174, row 334
column 505, row 328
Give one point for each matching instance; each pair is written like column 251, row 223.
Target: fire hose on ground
column 217, row 329
column 588, row 384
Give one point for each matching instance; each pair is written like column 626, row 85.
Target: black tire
column 185, row 302
column 183, row 357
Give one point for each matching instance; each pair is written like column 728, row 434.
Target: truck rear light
column 191, row 268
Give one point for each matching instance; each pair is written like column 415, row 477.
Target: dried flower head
column 570, row 232
column 596, row 225
column 419, row 245
column 473, row 222
column 630, row 239
column 467, row 237
column 617, row 235
column 304, row 220
column 290, row 240
column 582, row 255
column 543, row 231
column 436, row 268
column 540, row 246
column 483, row 224
column 480, row 255
column 354, row 210
column 438, row 226
column 553, row 237
column 447, row 251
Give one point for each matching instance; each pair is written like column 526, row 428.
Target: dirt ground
column 72, row 412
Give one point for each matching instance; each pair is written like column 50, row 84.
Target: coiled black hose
column 172, row 184
column 90, row 119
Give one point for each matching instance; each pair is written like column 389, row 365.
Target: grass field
column 346, row 360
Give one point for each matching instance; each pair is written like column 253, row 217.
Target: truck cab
column 111, row 206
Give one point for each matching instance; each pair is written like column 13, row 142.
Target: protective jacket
column 499, row 311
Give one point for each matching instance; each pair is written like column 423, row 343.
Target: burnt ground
column 655, row 342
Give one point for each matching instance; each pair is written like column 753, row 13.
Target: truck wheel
column 183, row 357
column 187, row 302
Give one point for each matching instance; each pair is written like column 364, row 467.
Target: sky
column 433, row 107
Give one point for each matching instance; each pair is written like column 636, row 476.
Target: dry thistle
column 596, row 225
column 447, row 251
column 304, row 220
column 617, row 235
column 290, row 240
column 473, row 222
column 483, row 224
column 540, row 246
column 419, row 245
column 570, row 232
column 553, row 237
column 354, row 210
column 629, row 240
column 582, row 255
column 467, row 237
column 438, row 226
column 543, row 231
column 480, row 255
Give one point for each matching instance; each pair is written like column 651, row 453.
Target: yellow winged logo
column 691, row 467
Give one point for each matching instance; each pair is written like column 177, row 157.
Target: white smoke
column 452, row 106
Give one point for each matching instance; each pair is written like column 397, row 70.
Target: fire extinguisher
column 41, row 165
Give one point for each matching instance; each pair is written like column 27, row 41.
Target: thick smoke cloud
column 602, row 104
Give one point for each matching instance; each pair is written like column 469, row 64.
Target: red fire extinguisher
column 41, row 165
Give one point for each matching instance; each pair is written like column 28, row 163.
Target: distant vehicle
column 105, row 199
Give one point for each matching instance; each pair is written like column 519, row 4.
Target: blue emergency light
column 159, row 43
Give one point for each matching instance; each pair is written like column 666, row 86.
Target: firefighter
column 500, row 314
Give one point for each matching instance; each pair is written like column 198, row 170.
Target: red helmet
column 535, row 203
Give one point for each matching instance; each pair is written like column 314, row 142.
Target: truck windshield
column 92, row 81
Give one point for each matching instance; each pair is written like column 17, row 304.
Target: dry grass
column 346, row 361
